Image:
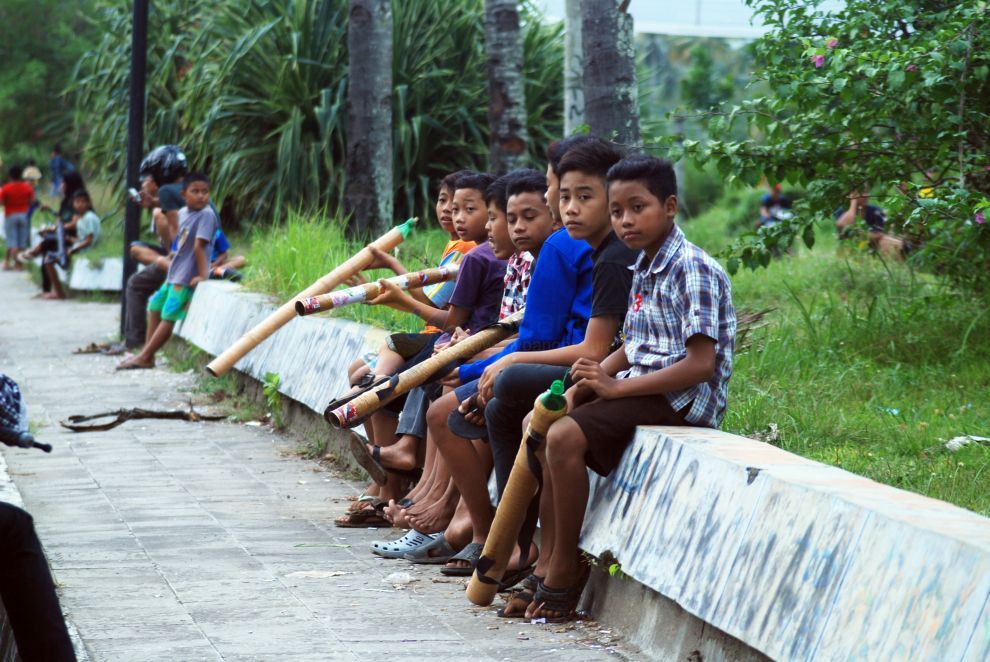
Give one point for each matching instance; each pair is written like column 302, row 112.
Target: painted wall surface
column 309, row 354
column 105, row 275
column 797, row 559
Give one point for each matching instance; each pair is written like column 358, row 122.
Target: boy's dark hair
column 450, row 181
column 194, row 177
column 557, row 149
column 57, row 148
column 496, row 191
column 479, row 181
column 593, row 157
column 657, row 175
column 15, row 172
column 527, row 181
column 82, row 193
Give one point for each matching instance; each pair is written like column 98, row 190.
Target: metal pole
column 135, row 140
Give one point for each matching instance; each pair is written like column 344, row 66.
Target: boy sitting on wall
column 673, row 368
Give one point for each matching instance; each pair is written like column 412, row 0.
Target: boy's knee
column 565, row 440
column 439, row 410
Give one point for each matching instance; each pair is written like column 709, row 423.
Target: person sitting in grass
column 86, row 225
column 190, row 265
column 860, row 215
column 672, row 369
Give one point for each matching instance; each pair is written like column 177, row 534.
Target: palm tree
column 573, row 68
column 368, row 191
column 509, row 139
column 610, row 93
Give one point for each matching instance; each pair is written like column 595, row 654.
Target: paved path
column 182, row 541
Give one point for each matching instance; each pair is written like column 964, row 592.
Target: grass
column 286, row 258
column 866, row 365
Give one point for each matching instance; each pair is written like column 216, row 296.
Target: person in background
column 27, row 590
column 772, row 206
column 58, row 166
column 861, row 215
column 16, row 197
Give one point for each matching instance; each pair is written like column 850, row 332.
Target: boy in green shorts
column 198, row 225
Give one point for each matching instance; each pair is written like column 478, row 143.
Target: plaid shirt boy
column 681, row 293
column 518, row 273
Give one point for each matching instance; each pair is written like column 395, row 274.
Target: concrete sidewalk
column 193, row 541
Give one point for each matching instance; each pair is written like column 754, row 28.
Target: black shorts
column 609, row 425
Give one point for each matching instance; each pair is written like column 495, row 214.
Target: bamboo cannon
column 368, row 291
column 358, row 262
column 519, row 492
column 353, row 412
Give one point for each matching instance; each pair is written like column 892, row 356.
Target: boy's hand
column 391, row 294
column 384, row 260
column 577, row 395
column 452, row 379
column 356, row 280
column 486, row 385
column 196, row 280
column 589, row 375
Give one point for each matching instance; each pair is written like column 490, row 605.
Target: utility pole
column 135, row 140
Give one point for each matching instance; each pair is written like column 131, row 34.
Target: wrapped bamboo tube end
column 357, row 262
column 519, row 491
column 346, row 413
column 368, row 291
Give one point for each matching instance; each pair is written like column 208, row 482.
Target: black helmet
column 164, row 164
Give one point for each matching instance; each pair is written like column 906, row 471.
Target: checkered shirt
column 518, row 273
column 681, row 293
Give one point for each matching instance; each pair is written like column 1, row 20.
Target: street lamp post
column 135, row 140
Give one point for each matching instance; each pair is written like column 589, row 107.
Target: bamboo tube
column 369, row 291
column 360, row 260
column 351, row 413
column 519, row 492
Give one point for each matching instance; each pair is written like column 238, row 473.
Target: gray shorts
column 17, row 231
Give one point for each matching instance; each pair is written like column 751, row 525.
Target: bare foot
column 400, row 456
column 52, row 296
column 435, row 517
column 396, row 514
column 135, row 364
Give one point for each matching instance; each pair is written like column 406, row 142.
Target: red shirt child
column 16, row 197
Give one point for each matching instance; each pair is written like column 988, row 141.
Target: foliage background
column 891, row 93
column 256, row 91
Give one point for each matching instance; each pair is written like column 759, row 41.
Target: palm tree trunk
column 506, row 89
column 368, row 189
column 610, row 92
column 573, row 68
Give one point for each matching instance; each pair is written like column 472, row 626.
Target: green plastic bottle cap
column 557, row 388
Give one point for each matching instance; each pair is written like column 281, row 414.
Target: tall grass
column 288, row 257
column 866, row 365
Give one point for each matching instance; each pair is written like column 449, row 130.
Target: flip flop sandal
column 368, row 461
column 91, row 348
column 471, row 553
column 365, row 519
column 405, row 502
column 133, row 366
column 514, row 577
column 422, row 556
column 396, row 549
column 563, row 601
column 524, row 594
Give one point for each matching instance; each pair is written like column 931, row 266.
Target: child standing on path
column 198, row 225
column 673, row 368
column 16, row 197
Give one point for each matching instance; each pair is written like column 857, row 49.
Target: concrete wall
column 799, row 560
column 729, row 548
